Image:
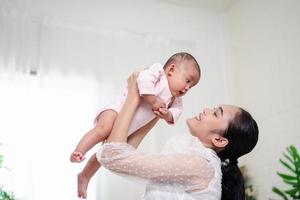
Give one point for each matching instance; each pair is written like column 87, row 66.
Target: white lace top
column 185, row 170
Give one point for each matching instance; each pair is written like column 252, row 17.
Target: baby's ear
column 219, row 141
column 170, row 69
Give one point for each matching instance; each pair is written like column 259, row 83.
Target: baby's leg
column 83, row 178
column 103, row 127
column 105, row 121
column 93, row 165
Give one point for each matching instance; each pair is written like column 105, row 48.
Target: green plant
column 249, row 191
column 5, row 196
column 291, row 161
column 1, row 160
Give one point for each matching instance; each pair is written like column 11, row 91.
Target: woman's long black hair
column 242, row 136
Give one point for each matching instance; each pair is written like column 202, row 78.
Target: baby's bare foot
column 82, row 184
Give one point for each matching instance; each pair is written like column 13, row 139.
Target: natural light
column 42, row 119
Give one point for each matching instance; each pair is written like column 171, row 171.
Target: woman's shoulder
column 183, row 143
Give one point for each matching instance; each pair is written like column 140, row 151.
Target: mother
column 202, row 165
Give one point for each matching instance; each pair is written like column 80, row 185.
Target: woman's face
column 210, row 122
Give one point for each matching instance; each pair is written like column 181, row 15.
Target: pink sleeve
column 191, row 171
column 176, row 109
column 148, row 78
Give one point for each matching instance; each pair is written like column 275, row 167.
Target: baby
column 161, row 89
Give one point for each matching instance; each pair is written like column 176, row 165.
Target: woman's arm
column 119, row 131
column 135, row 138
column 189, row 171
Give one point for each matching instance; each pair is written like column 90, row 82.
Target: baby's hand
column 165, row 114
column 158, row 103
column 154, row 101
column 77, row 156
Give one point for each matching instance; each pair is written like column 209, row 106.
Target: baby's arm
column 165, row 114
column 176, row 109
column 154, row 101
column 173, row 112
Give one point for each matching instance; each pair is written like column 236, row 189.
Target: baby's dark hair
column 242, row 136
column 182, row 56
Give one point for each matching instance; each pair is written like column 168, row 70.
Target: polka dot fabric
column 185, row 171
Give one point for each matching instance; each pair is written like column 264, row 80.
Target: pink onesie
column 150, row 81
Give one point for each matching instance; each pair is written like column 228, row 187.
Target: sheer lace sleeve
column 189, row 170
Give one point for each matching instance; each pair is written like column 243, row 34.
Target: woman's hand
column 133, row 92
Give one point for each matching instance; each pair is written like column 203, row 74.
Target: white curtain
column 19, row 41
column 45, row 110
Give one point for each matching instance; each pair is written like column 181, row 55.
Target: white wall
column 265, row 47
column 121, row 37
column 107, row 40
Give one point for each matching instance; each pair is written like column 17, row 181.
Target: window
column 42, row 120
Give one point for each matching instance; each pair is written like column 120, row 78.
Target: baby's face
column 182, row 78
